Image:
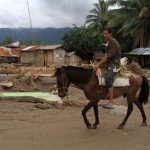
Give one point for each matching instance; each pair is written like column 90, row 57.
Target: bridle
column 64, row 86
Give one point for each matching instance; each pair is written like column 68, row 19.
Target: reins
column 98, row 73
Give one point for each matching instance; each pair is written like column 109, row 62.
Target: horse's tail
column 144, row 93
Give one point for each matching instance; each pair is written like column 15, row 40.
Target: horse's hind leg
column 84, row 111
column 95, row 107
column 129, row 111
column 140, row 106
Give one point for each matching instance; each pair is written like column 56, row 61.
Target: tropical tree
column 97, row 14
column 133, row 17
column 84, row 41
column 7, row 40
column 33, row 42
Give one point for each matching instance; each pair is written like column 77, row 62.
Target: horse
column 86, row 79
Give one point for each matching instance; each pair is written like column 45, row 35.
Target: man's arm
column 103, row 61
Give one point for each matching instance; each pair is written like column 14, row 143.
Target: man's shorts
column 110, row 77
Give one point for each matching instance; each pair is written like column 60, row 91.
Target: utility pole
column 30, row 22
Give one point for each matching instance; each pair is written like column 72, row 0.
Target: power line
column 30, row 21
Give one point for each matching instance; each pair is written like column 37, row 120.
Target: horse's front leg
column 84, row 111
column 95, row 107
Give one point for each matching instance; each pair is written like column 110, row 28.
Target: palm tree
column 96, row 16
column 134, row 18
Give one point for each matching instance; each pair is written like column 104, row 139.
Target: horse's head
column 62, row 82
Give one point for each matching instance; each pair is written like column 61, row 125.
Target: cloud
column 44, row 13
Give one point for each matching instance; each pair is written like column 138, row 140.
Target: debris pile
column 12, row 69
column 74, row 103
column 23, row 78
column 23, row 83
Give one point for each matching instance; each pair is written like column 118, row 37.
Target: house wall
column 98, row 55
column 49, row 57
column 39, row 58
column 75, row 60
column 59, row 56
column 28, row 57
column 44, row 58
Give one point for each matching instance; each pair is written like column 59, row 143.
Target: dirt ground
column 26, row 127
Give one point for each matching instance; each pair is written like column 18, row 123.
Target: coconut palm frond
column 130, row 28
column 91, row 17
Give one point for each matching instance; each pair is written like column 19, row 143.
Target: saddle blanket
column 118, row 82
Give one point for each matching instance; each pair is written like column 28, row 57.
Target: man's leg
column 109, row 84
column 110, row 95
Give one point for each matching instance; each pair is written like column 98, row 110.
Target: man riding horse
column 112, row 61
column 136, row 91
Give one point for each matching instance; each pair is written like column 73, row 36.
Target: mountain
column 49, row 35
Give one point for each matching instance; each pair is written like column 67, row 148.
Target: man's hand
column 95, row 67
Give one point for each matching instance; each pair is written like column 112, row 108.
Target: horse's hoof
column 89, row 126
column 94, row 126
column 120, row 127
column 144, row 124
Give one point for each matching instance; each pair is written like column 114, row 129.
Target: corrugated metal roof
column 50, row 47
column 14, row 45
column 30, row 48
column 140, row 51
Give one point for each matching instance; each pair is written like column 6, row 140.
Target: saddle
column 119, row 81
column 122, row 75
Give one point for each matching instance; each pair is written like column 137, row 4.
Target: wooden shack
column 48, row 55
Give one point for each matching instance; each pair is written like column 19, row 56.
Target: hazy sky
column 44, row 13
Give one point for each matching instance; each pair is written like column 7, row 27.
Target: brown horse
column 85, row 79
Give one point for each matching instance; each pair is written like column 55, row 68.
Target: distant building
column 72, row 59
column 9, row 55
column 140, row 55
column 98, row 56
column 47, row 55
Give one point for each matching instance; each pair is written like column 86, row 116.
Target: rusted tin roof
column 10, row 52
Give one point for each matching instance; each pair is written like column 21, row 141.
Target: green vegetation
column 130, row 23
column 84, row 41
column 9, row 40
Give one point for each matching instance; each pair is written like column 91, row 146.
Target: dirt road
column 25, row 127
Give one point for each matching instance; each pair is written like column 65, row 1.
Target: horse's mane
column 135, row 68
column 78, row 74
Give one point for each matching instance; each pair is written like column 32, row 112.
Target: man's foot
column 108, row 106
